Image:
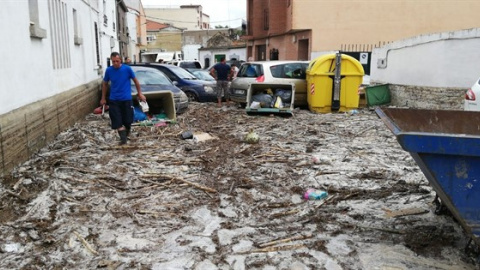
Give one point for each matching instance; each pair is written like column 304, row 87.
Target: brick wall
column 26, row 130
column 427, row 97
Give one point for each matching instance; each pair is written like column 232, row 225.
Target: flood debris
column 167, row 202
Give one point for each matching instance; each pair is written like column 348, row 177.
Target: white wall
column 108, row 37
column 190, row 52
column 239, row 53
column 27, row 63
column 133, row 49
column 448, row 59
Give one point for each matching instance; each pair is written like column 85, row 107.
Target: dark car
column 195, row 89
column 153, row 81
column 201, row 74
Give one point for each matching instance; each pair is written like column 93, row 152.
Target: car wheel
column 191, row 96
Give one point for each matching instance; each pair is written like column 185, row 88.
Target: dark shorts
column 121, row 113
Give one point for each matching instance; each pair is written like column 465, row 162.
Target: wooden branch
column 85, row 243
column 286, row 213
column 108, row 185
column 382, row 229
column 273, row 249
column 204, row 188
column 285, row 240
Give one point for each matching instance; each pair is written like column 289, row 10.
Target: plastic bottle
column 313, row 194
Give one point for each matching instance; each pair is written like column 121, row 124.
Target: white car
column 275, row 72
column 472, row 97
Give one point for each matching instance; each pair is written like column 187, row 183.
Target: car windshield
column 182, row 73
column 250, row 70
column 149, row 77
column 203, row 75
column 289, row 70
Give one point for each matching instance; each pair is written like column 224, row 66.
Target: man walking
column 222, row 72
column 120, row 104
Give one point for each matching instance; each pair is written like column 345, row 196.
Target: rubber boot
column 123, row 136
column 128, row 128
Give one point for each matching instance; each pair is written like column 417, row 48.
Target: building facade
column 162, row 37
column 52, row 67
column 303, row 29
column 188, row 17
column 222, row 45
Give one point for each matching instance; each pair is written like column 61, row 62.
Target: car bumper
column 207, row 97
column 238, row 95
column 180, row 107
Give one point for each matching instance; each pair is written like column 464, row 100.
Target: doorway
column 303, row 49
column 261, row 52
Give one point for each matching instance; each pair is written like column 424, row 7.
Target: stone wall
column 427, row 97
column 26, row 130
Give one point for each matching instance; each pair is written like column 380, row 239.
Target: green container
column 377, row 95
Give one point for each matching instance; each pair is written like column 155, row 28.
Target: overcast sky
column 221, row 12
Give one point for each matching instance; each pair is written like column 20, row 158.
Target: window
column 35, row 30
column 153, row 77
column 59, row 31
column 291, row 70
column 250, row 71
column 151, row 38
column 97, row 47
column 77, row 39
column 265, row 20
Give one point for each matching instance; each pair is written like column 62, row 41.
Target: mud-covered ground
column 163, row 202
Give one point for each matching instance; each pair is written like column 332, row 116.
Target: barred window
column 59, row 32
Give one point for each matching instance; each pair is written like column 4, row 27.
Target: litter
column 313, row 194
column 200, row 137
column 101, row 109
column 144, row 106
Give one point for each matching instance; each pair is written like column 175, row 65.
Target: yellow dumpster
column 322, row 91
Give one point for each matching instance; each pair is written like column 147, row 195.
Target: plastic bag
column 138, row 115
column 286, row 95
column 277, row 102
column 265, row 100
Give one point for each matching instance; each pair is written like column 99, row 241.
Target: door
column 261, row 52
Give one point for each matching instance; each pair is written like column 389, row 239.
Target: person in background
column 120, row 99
column 234, row 71
column 128, row 61
column 222, row 73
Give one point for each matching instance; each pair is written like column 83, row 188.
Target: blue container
column 446, row 147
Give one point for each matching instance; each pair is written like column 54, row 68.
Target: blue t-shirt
column 120, row 88
column 222, row 71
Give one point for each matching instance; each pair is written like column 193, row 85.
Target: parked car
column 202, row 74
column 277, row 72
column 185, row 63
column 152, row 80
column 472, row 97
column 195, row 89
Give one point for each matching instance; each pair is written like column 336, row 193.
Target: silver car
column 278, row 72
